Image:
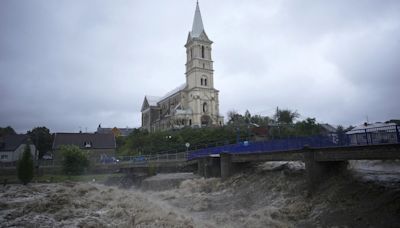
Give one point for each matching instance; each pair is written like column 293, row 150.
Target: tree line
column 284, row 123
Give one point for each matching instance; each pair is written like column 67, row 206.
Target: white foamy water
column 82, row 205
column 275, row 195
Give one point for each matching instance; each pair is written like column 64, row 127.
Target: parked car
column 108, row 160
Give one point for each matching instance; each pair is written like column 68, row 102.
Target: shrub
column 25, row 166
column 152, row 169
column 75, row 160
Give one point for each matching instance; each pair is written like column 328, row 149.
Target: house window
column 202, row 52
column 87, row 144
column 4, row 157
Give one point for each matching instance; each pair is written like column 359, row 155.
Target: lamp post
column 237, row 135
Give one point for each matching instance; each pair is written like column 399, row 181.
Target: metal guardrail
column 139, row 159
column 370, row 136
column 166, row 157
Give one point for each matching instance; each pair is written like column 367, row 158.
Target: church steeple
column 199, row 64
column 197, row 27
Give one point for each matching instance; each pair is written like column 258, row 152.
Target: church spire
column 197, row 27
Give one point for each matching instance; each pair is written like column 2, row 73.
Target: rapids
column 274, row 195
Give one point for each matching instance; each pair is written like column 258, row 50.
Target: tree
column 247, row 117
column 235, row 118
column 307, row 127
column 286, row 116
column 75, row 160
column 341, row 133
column 397, row 122
column 42, row 139
column 25, row 166
column 6, row 131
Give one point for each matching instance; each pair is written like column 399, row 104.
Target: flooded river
column 275, row 195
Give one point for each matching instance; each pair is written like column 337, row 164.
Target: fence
column 375, row 135
column 165, row 157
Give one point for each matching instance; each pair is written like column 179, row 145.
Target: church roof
column 172, row 92
column 152, row 100
column 197, row 27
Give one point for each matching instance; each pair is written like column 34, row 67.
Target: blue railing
column 370, row 136
column 266, row 146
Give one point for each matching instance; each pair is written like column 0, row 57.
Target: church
column 194, row 103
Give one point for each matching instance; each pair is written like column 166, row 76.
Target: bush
column 75, row 160
column 25, row 166
column 152, row 170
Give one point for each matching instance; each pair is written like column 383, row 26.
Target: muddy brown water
column 272, row 196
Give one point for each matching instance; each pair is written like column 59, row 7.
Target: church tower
column 199, row 65
column 202, row 96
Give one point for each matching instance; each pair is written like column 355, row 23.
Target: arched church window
column 201, row 81
column 202, row 52
column 205, row 107
column 191, row 53
column 205, row 81
column 190, row 122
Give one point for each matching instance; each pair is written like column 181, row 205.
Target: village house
column 374, row 133
column 12, row 147
column 117, row 131
column 98, row 145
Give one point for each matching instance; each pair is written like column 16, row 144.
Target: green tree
column 42, row 139
column 307, row 127
column 393, row 121
column 6, row 131
column 286, row 116
column 341, row 133
column 25, row 166
column 247, row 117
column 75, row 160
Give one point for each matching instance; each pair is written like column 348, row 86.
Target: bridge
column 322, row 155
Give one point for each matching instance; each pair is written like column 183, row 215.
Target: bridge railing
column 165, row 157
column 378, row 135
column 266, row 146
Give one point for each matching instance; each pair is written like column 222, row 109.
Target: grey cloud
column 67, row 64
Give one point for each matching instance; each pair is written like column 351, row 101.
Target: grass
column 13, row 179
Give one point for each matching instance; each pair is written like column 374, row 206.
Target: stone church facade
column 194, row 103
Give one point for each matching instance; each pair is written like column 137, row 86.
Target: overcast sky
column 70, row 65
